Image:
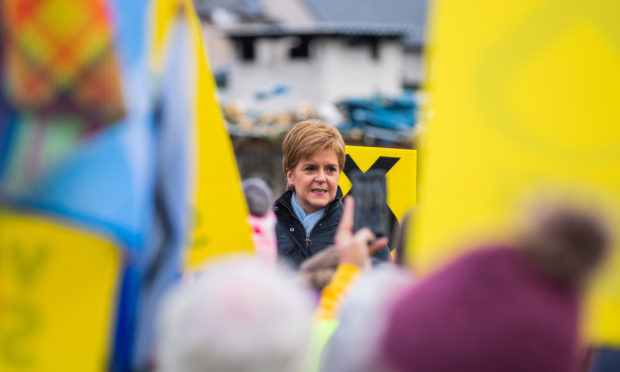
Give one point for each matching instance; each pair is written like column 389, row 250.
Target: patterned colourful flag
column 62, row 79
column 59, row 57
column 101, row 188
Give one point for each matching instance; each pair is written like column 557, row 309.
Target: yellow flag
column 523, row 100
column 57, row 295
column 218, row 205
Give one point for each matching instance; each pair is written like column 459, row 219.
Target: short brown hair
column 310, row 137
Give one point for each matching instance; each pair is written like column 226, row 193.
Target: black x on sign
column 383, row 163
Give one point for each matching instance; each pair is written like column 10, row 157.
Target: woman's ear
column 289, row 181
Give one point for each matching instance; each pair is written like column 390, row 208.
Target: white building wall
column 333, row 72
column 218, row 46
column 352, row 72
column 413, row 69
column 270, row 68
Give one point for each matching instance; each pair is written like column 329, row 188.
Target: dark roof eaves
column 319, row 31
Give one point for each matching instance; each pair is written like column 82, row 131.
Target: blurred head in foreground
column 237, row 316
column 355, row 345
column 504, row 308
column 317, row 271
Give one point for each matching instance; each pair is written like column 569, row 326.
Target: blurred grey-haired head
column 258, row 196
column 236, row 316
column 355, row 345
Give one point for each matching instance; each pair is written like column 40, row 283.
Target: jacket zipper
column 308, row 241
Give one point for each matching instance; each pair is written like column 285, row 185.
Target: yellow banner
column 400, row 167
column 57, row 295
column 523, row 101
column 218, row 205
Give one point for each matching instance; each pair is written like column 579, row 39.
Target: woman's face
column 315, row 180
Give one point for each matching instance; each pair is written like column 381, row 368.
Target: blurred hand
column 355, row 249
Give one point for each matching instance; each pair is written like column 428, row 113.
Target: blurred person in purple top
column 509, row 308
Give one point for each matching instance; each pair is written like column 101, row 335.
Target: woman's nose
column 320, row 176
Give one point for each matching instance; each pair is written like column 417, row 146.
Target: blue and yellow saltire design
column 218, row 206
column 523, row 101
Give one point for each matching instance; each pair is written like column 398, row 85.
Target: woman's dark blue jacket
column 295, row 244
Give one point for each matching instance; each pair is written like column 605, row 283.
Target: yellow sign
column 400, row 168
column 57, row 295
column 219, row 211
column 522, row 100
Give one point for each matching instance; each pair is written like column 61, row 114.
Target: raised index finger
column 346, row 222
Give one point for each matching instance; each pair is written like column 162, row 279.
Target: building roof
column 409, row 15
column 251, row 9
column 368, row 17
column 276, row 31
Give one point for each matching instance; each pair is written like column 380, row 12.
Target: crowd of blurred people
column 505, row 306
column 509, row 305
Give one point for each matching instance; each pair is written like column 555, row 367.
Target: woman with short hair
column 309, row 211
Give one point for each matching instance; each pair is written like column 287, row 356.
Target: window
column 374, row 49
column 372, row 43
column 300, row 49
column 245, row 49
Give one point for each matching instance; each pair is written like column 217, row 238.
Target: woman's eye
column 331, row 169
column 309, row 169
